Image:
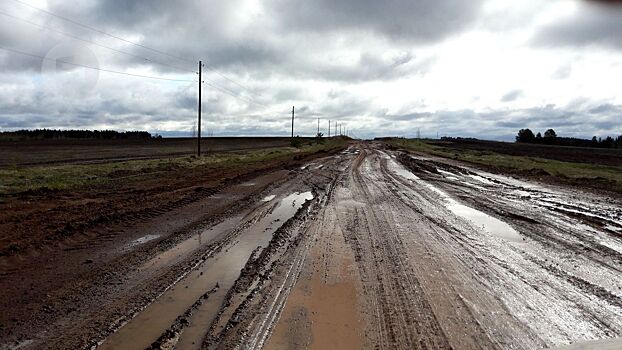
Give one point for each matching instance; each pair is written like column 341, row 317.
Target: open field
column 68, row 196
column 599, row 169
column 61, row 151
column 85, row 172
column 348, row 245
column 599, row 156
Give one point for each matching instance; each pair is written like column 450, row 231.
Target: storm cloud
column 593, row 23
column 461, row 68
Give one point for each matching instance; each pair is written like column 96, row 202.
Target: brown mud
column 368, row 248
column 70, row 260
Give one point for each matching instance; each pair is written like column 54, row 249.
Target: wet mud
column 370, row 248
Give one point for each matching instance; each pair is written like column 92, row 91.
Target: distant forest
column 550, row 138
column 74, row 134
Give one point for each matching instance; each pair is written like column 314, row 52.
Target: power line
column 229, row 79
column 93, row 43
column 122, row 39
column 213, row 84
column 231, row 93
column 101, row 31
column 91, row 67
column 224, row 90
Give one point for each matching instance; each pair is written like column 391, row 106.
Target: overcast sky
column 383, row 68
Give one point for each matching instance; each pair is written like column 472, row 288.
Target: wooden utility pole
column 318, row 126
column 329, row 128
column 292, row 122
column 199, row 124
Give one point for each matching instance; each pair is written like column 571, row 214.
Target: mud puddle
column 219, row 271
column 482, row 220
column 448, row 175
column 190, row 245
column 226, row 269
column 605, row 217
column 268, row 198
column 141, row 240
column 481, row 179
column 490, row 224
column 401, row 171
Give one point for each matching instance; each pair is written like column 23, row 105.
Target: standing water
column 222, row 270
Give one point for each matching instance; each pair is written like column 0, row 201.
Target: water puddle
column 401, row 171
column 384, row 155
column 181, row 250
column 142, row 240
column 520, row 193
column 481, row 179
column 488, row 223
column 268, row 198
column 225, row 270
column 448, row 175
column 222, row 270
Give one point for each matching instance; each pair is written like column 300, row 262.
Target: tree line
column 74, row 134
column 550, row 138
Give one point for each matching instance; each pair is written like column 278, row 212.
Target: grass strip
column 72, row 176
column 600, row 175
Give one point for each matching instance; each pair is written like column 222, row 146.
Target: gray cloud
column 418, row 21
column 511, row 96
column 563, row 72
column 503, row 124
column 332, row 59
column 594, row 23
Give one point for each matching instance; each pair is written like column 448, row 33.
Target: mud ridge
column 256, row 273
column 168, row 338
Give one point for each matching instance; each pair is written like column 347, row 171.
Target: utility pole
column 318, row 126
column 199, row 125
column 340, row 130
column 329, row 128
column 292, row 122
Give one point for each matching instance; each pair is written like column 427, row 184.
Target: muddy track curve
column 372, row 248
column 447, row 256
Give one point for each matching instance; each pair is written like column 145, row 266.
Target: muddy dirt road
column 369, row 248
column 442, row 256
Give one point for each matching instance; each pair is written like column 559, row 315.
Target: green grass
column 64, row 177
column 518, row 164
